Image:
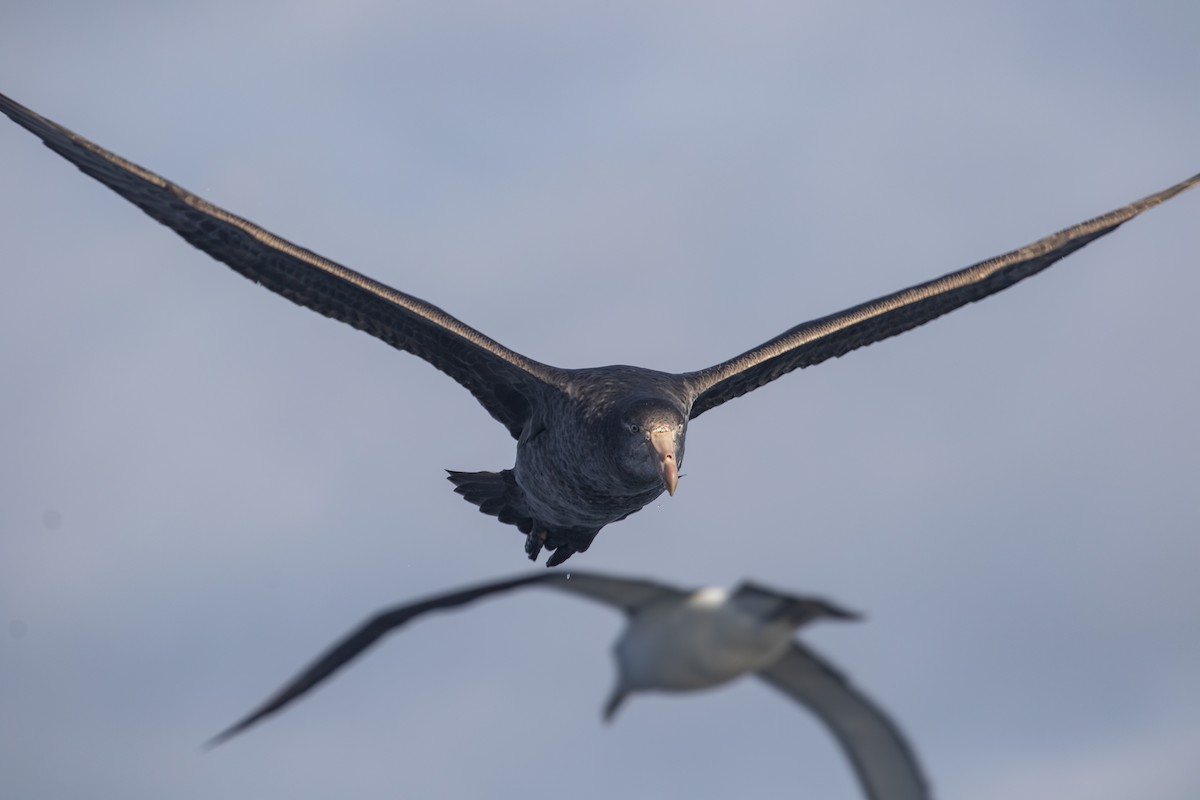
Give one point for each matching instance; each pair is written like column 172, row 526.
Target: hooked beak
column 663, row 444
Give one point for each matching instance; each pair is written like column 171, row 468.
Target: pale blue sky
column 203, row 485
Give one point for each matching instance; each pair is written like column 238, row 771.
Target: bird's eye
column 633, row 427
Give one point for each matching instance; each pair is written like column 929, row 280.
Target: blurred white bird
column 679, row 640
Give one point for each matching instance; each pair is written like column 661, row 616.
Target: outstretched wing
column 505, row 382
column 627, row 594
column 835, row 335
column 882, row 758
column 621, row 593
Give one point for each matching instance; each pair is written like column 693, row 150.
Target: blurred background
column 202, row 485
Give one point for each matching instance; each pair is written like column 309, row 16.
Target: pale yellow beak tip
column 664, row 447
column 670, row 476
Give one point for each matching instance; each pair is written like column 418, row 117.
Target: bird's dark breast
column 569, row 480
column 570, row 469
column 567, row 487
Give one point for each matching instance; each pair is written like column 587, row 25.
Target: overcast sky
column 201, row 485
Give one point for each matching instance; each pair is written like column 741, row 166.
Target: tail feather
column 496, row 494
column 615, row 700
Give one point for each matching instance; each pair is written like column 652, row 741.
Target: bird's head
column 649, row 437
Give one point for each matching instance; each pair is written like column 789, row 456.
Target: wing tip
column 229, row 733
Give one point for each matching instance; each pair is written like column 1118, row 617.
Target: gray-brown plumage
column 593, row 445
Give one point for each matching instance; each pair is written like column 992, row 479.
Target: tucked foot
column 560, row 555
column 534, row 541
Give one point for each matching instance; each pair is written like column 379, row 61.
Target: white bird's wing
column 622, row 593
column 885, row 763
column 627, row 594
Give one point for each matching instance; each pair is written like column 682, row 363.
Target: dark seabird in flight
column 593, row 445
column 679, row 641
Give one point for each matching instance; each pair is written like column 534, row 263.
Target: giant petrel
column 593, row 445
column 679, row 641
